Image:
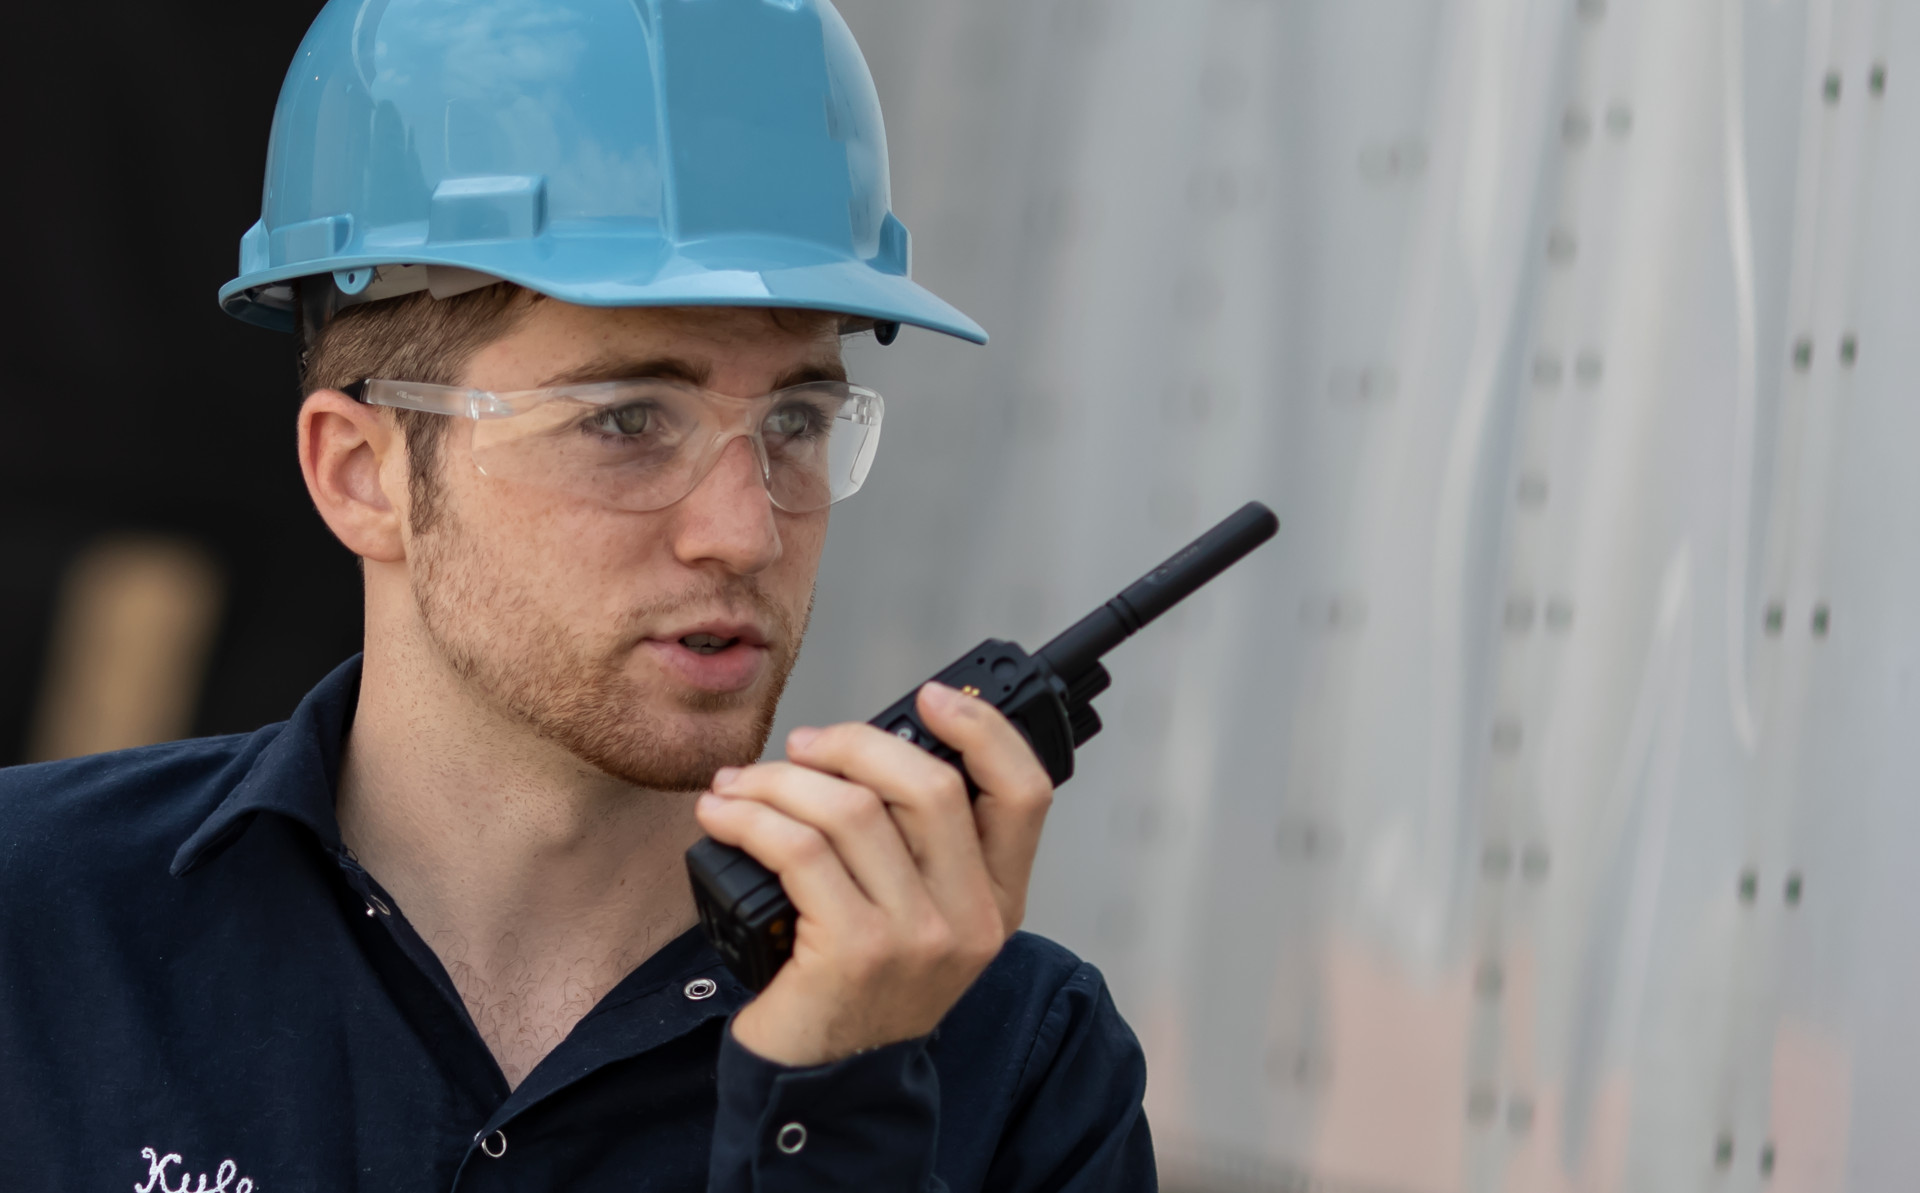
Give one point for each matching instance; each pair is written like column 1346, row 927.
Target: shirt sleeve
column 869, row 1121
column 1079, row 1124
column 1073, row 1121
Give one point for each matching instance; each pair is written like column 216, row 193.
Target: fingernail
column 724, row 777
column 940, row 694
column 800, row 739
column 709, row 801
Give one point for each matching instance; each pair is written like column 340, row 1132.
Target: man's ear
column 354, row 459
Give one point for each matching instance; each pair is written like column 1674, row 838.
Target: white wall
column 1447, row 843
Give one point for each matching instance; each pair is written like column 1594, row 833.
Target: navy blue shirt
column 201, row 990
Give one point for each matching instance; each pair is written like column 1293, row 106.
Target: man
column 572, row 277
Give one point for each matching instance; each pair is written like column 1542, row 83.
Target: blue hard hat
column 603, row 152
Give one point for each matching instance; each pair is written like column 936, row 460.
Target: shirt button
column 700, row 988
column 791, row 1138
column 494, row 1145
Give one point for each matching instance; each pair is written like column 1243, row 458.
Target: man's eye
column 792, row 421
column 635, row 419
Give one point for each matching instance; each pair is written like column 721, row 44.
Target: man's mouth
column 706, row 643
column 723, row 656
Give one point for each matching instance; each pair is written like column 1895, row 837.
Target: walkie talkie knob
column 1085, row 722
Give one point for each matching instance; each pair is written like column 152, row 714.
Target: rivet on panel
column 1587, row 368
column 1766, row 1160
column 1388, row 163
column 1794, row 887
column 1336, row 614
column 1849, row 350
column 1822, row 619
column 1546, row 371
column 1620, row 120
column 1561, row 246
column 1305, row 841
column 1535, row 862
column 1776, row 619
column 1296, row 1066
column 1831, row 89
column 1723, row 1150
column 1803, row 354
column 1489, row 979
column 1378, row 383
column 1576, row 126
column 1877, row 80
column 1519, row 1114
column 1593, row 10
column 1559, row 615
column 1481, row 1104
column 1533, row 490
column 1749, row 886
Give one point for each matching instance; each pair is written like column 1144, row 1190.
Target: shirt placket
column 663, row 1008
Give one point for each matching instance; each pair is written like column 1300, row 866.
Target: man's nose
column 728, row 518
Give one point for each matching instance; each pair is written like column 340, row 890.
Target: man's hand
column 905, row 890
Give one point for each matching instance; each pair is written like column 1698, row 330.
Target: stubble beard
column 571, row 686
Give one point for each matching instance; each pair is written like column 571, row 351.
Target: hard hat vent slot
column 309, row 240
column 505, row 207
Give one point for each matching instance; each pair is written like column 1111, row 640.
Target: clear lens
column 645, row 445
column 819, row 443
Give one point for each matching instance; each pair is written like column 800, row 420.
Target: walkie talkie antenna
column 1080, row 646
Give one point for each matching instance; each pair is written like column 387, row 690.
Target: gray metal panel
column 1518, row 820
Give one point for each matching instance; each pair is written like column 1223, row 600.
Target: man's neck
column 539, row 881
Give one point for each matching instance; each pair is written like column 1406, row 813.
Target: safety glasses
column 644, row 444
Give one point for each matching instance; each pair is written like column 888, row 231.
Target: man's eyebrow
column 807, row 373
column 626, row 368
column 622, row 368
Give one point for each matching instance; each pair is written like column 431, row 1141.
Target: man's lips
column 741, row 631
column 714, row 656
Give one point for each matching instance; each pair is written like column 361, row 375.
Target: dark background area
column 136, row 146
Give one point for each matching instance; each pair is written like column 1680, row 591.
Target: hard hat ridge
column 604, row 152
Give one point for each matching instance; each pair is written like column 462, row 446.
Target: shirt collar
column 296, row 774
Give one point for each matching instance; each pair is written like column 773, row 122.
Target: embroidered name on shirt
column 157, row 1182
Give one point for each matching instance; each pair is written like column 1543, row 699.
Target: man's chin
column 675, row 748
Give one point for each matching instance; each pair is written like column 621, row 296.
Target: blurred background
column 164, row 571
column 1533, row 815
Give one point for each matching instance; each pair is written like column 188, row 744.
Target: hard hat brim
column 577, row 270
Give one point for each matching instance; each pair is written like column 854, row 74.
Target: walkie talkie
column 1048, row 695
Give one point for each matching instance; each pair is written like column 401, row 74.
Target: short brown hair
column 415, row 337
